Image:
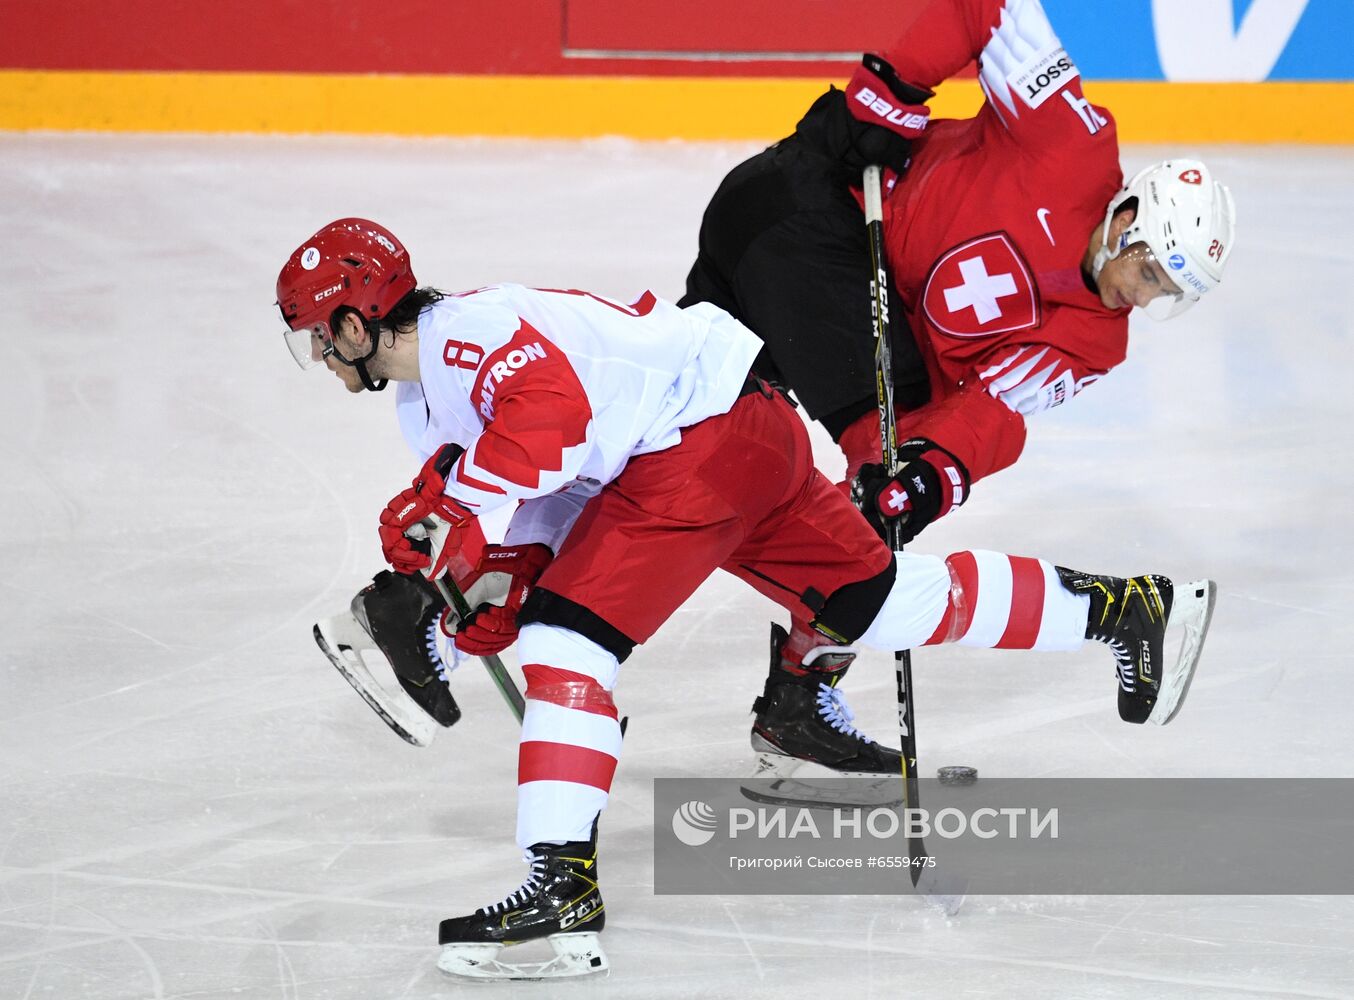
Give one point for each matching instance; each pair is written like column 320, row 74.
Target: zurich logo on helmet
column 1176, row 261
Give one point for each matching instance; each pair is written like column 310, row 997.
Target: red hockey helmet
column 351, row 262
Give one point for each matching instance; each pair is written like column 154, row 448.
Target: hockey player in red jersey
column 639, row 455
column 1016, row 253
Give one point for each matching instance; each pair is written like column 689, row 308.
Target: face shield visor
column 310, row 345
column 1182, row 282
column 1151, row 282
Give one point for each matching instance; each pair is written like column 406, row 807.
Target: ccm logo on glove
column 497, row 589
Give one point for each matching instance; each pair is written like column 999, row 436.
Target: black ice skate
column 559, row 903
column 1131, row 617
column 395, row 616
column 804, row 728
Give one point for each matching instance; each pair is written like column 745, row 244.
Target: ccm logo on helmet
column 891, row 114
column 320, row 296
column 514, row 360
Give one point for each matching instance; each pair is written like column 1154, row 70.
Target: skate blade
column 577, row 954
column 1192, row 611
column 814, row 785
column 344, row 642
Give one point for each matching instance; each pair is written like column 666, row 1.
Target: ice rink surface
column 194, row 805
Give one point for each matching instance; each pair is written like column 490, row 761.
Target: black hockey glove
column 873, row 121
column 930, row 483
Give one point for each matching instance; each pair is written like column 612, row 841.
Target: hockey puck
column 957, row 775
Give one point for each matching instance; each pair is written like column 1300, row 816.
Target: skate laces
column 1123, row 660
column 837, row 713
column 523, row 892
column 436, row 645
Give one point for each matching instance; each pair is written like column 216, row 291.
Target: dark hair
column 404, row 313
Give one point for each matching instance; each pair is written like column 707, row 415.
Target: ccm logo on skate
column 584, row 910
column 694, row 823
column 512, row 362
column 893, row 115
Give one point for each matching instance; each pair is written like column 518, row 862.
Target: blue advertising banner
column 1208, row 40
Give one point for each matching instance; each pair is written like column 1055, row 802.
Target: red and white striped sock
column 1009, row 602
column 978, row 598
column 571, row 737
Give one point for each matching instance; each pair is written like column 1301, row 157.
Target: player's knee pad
column 849, row 610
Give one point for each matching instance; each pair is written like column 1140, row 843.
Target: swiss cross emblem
column 981, row 287
column 1192, row 176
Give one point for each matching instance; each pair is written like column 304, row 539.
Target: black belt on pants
column 755, row 383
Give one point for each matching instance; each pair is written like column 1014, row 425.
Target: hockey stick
column 888, row 436
column 451, row 593
column 446, row 586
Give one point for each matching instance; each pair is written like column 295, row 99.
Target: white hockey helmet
column 1186, row 219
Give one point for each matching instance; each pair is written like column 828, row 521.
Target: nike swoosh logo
column 1043, row 215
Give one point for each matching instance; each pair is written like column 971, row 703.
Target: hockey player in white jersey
column 642, row 457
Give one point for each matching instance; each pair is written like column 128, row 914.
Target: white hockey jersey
column 551, row 391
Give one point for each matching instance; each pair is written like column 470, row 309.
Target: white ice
column 194, row 805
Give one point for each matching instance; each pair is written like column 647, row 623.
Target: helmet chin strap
column 1102, row 257
column 365, row 376
column 368, row 383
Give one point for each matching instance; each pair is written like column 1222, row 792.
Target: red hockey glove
column 876, row 95
column 874, row 121
column 492, row 627
column 422, row 528
column 930, row 483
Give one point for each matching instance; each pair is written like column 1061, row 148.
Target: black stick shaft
column 888, row 437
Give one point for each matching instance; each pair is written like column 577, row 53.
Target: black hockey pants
column 783, row 248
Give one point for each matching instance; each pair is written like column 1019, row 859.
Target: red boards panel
column 726, row 27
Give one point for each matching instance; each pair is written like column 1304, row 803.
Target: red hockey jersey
column 986, row 233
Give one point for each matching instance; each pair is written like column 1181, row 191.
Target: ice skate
column 1132, row 617
column 559, row 903
column 394, row 618
column 804, row 732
